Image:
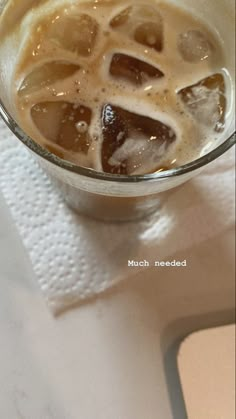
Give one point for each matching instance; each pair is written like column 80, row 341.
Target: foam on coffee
column 115, row 85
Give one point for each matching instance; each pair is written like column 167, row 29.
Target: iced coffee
column 125, row 87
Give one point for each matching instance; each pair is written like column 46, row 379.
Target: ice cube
column 206, row 101
column 46, row 75
column 132, row 143
column 47, row 117
column 74, row 32
column 58, row 122
column 115, row 132
column 140, row 156
column 121, row 18
column 54, row 149
column 133, row 70
column 142, row 23
column 150, row 34
column 194, row 46
column 70, row 136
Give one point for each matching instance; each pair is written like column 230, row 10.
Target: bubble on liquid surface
column 58, row 122
column 132, row 143
column 82, row 127
column 133, row 70
column 206, row 101
column 194, row 46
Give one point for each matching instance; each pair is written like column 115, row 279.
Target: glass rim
column 93, row 174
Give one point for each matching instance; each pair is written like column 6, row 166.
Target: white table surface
column 114, row 358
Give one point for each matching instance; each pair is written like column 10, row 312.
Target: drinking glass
column 117, row 197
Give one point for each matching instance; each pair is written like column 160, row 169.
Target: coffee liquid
column 124, row 87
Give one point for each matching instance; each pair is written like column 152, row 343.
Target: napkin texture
column 74, row 257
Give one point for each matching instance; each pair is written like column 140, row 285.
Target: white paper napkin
column 75, row 258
